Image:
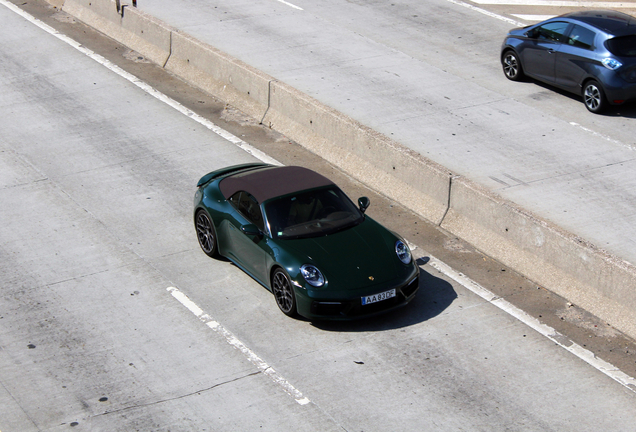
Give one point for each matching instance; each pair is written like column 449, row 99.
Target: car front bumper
column 351, row 307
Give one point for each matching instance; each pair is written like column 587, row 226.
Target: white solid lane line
column 605, row 137
column 559, row 3
column 290, row 5
column 545, row 330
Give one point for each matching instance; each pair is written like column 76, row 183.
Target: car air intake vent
column 411, row 288
column 328, row 308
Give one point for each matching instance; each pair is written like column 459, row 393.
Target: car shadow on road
column 626, row 110
column 433, row 297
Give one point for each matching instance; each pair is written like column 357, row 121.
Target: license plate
column 378, row 297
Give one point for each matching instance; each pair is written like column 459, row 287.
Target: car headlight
column 611, row 64
column 312, row 275
column 403, row 252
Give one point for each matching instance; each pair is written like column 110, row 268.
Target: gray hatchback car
column 591, row 53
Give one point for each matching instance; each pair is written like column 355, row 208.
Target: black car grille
column 354, row 308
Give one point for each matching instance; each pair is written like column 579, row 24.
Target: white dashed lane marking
column 236, row 343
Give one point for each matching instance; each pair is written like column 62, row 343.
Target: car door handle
column 550, row 51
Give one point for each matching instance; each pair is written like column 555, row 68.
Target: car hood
column 360, row 256
column 518, row 31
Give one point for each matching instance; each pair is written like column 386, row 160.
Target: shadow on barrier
column 433, row 297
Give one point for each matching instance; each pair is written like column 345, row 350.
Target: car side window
column 552, row 31
column 581, row 37
column 247, row 205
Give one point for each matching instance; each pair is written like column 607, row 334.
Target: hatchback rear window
column 622, row 46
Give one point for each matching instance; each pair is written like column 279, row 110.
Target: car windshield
column 623, row 46
column 311, row 213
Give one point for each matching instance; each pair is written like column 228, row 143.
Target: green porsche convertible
column 300, row 236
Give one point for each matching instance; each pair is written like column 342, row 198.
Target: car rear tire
column 206, row 234
column 512, row 66
column 284, row 293
column 594, row 97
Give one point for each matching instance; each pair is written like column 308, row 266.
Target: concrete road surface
column 96, row 185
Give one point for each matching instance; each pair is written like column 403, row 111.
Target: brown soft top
column 273, row 181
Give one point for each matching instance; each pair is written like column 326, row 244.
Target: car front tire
column 284, row 293
column 594, row 97
column 512, row 66
column 206, row 234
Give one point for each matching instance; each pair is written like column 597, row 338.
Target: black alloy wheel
column 594, row 97
column 284, row 292
column 206, row 234
column 511, row 66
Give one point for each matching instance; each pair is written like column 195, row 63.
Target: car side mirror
column 363, row 203
column 531, row 34
column 250, row 230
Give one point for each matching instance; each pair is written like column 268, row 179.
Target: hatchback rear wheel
column 594, row 97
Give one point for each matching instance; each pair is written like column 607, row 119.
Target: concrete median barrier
column 369, row 156
column 219, row 74
column 126, row 24
column 559, row 261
